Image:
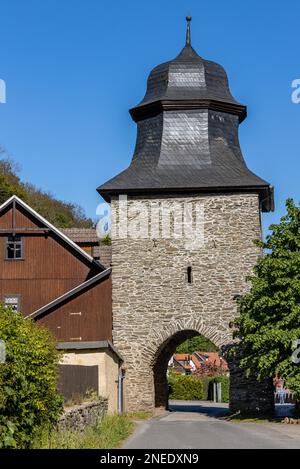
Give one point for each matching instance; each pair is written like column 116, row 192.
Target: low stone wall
column 80, row 416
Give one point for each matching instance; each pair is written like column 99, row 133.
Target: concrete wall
column 108, row 369
column 152, row 300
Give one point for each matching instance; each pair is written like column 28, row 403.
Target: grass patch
column 78, row 399
column 108, row 433
column 139, row 415
column 244, row 418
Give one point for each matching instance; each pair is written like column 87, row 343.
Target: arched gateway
column 185, row 215
column 164, row 345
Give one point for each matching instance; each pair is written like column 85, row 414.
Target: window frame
column 7, row 242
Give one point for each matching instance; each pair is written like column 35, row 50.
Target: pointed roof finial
column 188, row 30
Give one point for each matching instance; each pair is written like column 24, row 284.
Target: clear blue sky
column 73, row 68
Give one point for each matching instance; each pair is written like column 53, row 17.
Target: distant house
column 187, row 364
column 55, row 279
column 182, row 363
column 209, row 359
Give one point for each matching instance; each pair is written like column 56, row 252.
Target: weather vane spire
column 188, row 30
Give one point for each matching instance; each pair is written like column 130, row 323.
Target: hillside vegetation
column 198, row 343
column 59, row 213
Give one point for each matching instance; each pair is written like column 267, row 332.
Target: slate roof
column 187, row 136
column 188, row 77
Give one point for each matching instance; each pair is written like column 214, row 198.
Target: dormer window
column 14, row 247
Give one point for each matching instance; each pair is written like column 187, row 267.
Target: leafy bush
column 225, row 382
column 207, row 388
column 28, row 380
column 106, row 241
column 185, row 387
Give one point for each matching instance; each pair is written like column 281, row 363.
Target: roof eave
column 52, row 228
column 266, row 192
column 69, row 294
column 153, row 108
column 90, row 345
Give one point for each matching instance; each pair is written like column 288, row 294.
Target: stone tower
column 187, row 155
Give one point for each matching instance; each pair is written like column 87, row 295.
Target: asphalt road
column 193, row 426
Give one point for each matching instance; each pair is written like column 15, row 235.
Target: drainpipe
column 121, row 377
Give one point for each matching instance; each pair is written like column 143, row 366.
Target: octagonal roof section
column 189, row 78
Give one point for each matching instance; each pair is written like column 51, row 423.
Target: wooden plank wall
column 85, row 317
column 77, row 380
column 49, row 268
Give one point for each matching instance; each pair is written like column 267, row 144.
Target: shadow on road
column 219, row 410
column 211, row 409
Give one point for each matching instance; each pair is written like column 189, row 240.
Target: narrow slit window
column 189, row 274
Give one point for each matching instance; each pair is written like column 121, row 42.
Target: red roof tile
column 211, row 358
column 182, row 356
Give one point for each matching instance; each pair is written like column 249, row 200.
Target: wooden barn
column 51, row 279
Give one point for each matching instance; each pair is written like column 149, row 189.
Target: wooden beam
column 20, row 230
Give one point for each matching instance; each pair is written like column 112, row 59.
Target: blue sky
column 73, row 68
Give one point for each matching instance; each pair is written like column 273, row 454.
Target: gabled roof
column 52, row 228
column 69, row 294
column 209, row 358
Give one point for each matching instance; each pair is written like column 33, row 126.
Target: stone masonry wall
column 152, row 299
column 78, row 417
column 247, row 395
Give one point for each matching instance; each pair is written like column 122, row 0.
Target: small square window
column 13, row 301
column 14, row 247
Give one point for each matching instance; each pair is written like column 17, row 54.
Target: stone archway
column 246, row 394
column 164, row 342
column 160, row 365
column 219, row 335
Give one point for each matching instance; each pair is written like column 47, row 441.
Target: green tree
column 7, row 190
column 10, row 183
column 269, row 319
column 28, row 379
column 198, row 343
column 59, row 213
